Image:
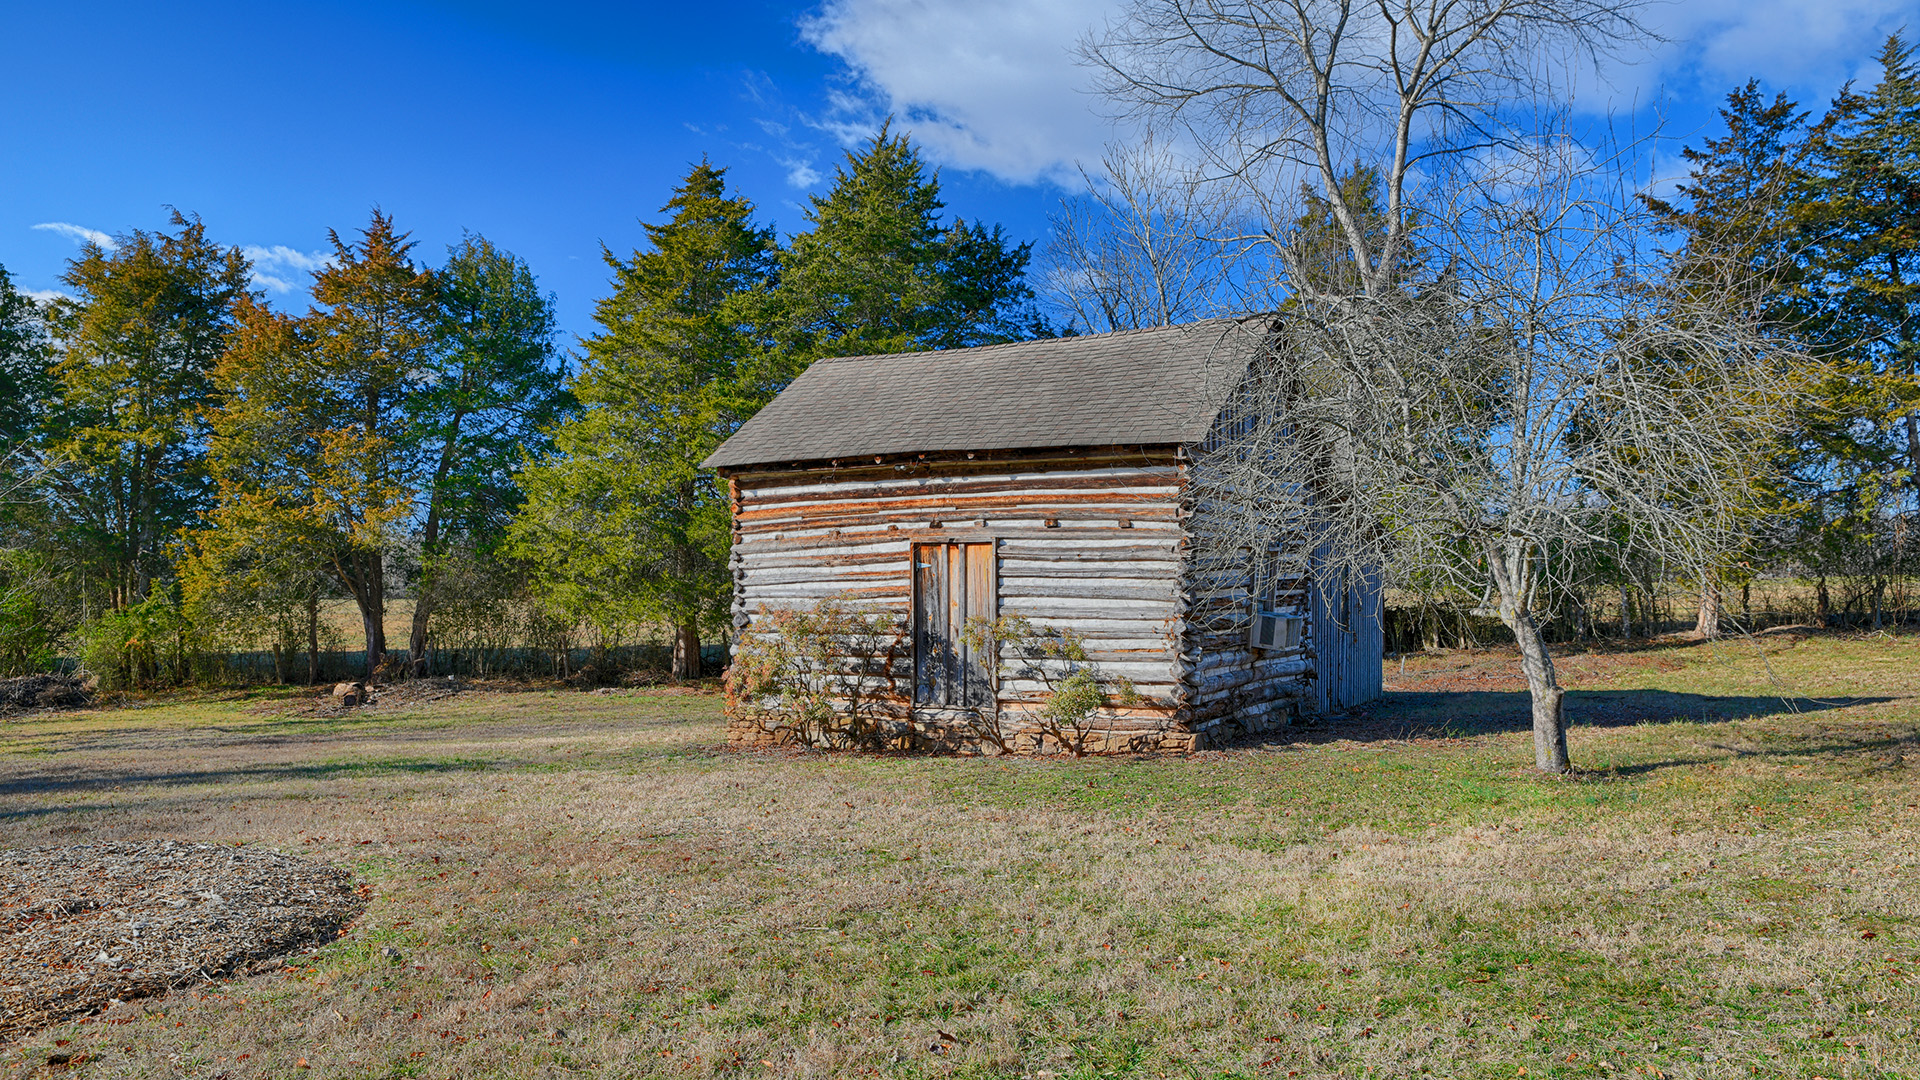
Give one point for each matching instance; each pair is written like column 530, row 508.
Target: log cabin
column 1057, row 480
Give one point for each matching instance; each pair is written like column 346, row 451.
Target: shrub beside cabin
column 1054, row 480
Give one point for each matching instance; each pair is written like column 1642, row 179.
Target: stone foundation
column 764, row 732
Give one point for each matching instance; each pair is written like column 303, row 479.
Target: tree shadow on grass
column 81, row 779
column 1401, row 715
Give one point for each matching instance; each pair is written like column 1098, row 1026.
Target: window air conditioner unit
column 1276, row 632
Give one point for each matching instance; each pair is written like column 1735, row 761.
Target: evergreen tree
column 124, row 450
column 620, row 523
column 492, row 389
column 1862, row 224
column 24, row 376
column 877, row 272
column 313, row 440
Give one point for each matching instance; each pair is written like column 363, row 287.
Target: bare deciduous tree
column 1492, row 371
column 1139, row 249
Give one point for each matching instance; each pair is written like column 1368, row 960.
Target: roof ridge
column 1104, row 334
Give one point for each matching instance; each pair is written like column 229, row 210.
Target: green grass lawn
column 587, row 883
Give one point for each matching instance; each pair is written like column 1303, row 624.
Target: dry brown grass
column 583, row 882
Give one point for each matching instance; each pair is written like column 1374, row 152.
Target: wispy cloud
column 46, row 296
column 79, row 234
column 272, row 266
column 800, row 173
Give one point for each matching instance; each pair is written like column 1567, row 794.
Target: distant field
column 582, row 883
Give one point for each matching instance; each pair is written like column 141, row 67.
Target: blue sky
column 555, row 127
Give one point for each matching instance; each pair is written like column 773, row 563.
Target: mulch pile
column 88, row 924
column 31, row 692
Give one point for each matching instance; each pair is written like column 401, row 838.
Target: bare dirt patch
column 89, row 924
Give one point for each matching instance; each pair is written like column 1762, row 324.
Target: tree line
column 190, row 473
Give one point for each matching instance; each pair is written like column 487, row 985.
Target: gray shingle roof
column 1134, row 387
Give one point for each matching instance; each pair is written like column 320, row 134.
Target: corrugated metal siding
column 1349, row 643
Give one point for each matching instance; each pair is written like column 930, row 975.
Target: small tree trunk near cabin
column 1822, row 603
column 1626, row 612
column 1549, row 700
column 279, row 664
column 1536, row 663
column 1708, row 625
column 686, row 651
column 1746, row 602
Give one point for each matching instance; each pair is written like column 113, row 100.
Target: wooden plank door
column 952, row 584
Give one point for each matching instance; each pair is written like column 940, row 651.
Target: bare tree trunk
column 371, row 597
column 1822, row 603
column 1549, row 700
column 425, row 595
column 417, row 639
column 686, row 651
column 1626, row 612
column 1708, row 625
column 1510, row 580
column 313, row 640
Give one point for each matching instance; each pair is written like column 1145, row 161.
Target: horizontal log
column 1033, row 515
column 1117, row 483
column 896, row 570
column 1130, row 569
column 873, row 555
column 1145, row 712
column 1019, row 463
column 895, row 606
column 1067, row 532
column 1027, row 591
column 823, row 543
column 1091, row 607
column 1104, row 627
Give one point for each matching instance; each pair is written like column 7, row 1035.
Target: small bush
column 817, row 676
column 142, row 645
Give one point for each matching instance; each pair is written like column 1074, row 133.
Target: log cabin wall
column 1088, row 540
column 1233, row 688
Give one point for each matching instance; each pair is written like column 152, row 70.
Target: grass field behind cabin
column 572, row 883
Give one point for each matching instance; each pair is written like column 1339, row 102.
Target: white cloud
column 269, row 263
column 46, row 296
column 79, row 234
column 993, row 84
column 982, row 84
column 1788, row 44
column 800, row 172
